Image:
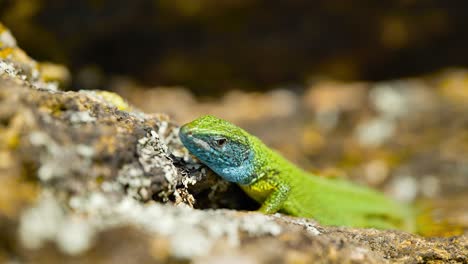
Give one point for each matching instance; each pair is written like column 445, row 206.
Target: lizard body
column 278, row 185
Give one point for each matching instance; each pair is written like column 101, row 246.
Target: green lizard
column 278, row 185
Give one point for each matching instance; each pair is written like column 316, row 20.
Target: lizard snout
column 185, row 131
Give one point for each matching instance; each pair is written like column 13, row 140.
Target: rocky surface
column 86, row 177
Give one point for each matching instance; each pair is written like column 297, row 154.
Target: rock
column 88, row 178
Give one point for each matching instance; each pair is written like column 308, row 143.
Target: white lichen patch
column 375, row 132
column 48, row 222
column 256, row 224
column 84, row 150
column 80, row 117
column 55, row 159
column 389, row 100
column 9, row 69
column 39, row 224
column 305, row 223
column 153, row 155
column 6, row 38
column 190, row 232
column 154, row 162
column 359, row 254
column 133, row 177
column 50, row 86
column 74, row 235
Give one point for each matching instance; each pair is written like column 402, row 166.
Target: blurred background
column 211, row 46
column 371, row 90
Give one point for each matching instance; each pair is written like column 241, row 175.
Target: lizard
column 280, row 186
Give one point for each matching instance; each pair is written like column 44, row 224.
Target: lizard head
column 220, row 145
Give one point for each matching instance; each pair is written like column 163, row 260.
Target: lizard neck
column 266, row 161
column 243, row 174
column 253, row 168
column 269, row 163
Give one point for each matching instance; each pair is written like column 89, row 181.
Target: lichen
column 55, row 159
column 48, row 221
column 307, row 224
column 76, row 117
column 56, row 73
column 109, row 98
column 39, row 224
column 190, row 232
column 154, row 160
column 16, row 64
column 6, row 38
column 375, row 132
column 9, row 69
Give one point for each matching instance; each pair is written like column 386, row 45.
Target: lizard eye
column 220, row 142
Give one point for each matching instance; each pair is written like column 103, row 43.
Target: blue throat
column 243, row 174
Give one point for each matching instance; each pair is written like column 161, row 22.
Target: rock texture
column 85, row 177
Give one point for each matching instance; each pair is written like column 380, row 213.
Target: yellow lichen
column 52, row 72
column 114, row 100
column 6, row 53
